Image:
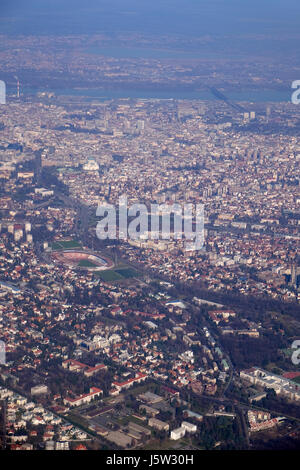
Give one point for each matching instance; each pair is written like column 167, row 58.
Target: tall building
column 293, row 281
column 141, row 125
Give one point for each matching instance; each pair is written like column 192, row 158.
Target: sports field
column 118, row 274
column 85, row 263
column 65, row 245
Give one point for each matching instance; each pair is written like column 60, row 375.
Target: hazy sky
column 188, row 17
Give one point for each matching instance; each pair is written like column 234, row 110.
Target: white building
column 177, row 433
column 85, row 398
column 281, row 385
column 39, row 390
column 189, row 427
column 91, row 165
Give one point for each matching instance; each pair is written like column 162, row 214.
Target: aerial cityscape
column 125, row 335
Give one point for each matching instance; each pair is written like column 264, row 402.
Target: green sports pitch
column 65, row 245
column 118, row 274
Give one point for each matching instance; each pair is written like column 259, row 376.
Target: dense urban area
column 139, row 343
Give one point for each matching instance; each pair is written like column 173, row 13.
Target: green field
column 65, row 245
column 127, row 272
column 85, row 263
column 56, row 246
column 118, row 274
column 109, row 275
column 297, row 379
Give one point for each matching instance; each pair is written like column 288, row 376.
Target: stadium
column 81, row 260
